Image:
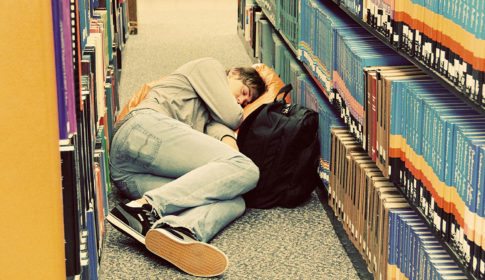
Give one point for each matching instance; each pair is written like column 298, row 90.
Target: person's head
column 245, row 83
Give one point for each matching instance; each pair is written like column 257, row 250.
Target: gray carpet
column 279, row 243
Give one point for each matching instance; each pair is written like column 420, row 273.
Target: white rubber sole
column 193, row 257
column 126, row 229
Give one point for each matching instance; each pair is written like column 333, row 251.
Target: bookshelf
column 458, row 90
column 60, row 72
column 418, row 185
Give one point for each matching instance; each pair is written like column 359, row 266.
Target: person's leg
column 208, row 179
column 206, row 170
column 204, row 221
column 181, row 239
column 135, row 185
column 207, row 220
column 136, row 218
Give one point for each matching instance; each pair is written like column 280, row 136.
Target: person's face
column 241, row 92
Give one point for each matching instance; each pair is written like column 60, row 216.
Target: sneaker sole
column 124, row 228
column 195, row 258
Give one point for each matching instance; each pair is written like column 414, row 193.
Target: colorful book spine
column 64, row 69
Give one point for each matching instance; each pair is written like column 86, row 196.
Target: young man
column 176, row 156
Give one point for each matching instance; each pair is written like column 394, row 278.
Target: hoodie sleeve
column 218, row 130
column 208, row 78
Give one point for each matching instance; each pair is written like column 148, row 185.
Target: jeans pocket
column 140, row 147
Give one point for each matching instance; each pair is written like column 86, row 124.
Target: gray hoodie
column 197, row 94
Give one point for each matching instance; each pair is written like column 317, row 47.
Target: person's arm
column 208, row 78
column 222, row 133
column 231, row 141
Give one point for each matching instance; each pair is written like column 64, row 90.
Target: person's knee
column 253, row 170
column 239, row 206
column 248, row 170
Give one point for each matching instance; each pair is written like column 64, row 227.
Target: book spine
column 92, row 243
column 72, row 224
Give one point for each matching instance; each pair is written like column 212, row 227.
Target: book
column 64, row 69
column 92, row 243
column 71, row 196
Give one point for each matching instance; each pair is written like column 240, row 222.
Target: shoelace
column 151, row 215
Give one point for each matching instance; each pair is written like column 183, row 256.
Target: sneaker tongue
column 146, row 206
column 150, row 213
column 135, row 204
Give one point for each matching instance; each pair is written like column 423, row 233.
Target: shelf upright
column 32, row 235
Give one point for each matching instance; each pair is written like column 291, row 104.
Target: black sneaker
column 180, row 247
column 133, row 221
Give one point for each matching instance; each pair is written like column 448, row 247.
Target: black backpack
column 282, row 140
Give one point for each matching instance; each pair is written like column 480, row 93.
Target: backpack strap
column 286, row 89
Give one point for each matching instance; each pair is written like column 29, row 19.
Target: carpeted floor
column 299, row 243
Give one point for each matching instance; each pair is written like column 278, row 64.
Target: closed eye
column 247, row 93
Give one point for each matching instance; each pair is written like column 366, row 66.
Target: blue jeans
column 191, row 179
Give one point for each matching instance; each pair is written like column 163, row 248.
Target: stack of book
column 89, row 36
column 445, row 36
column 309, row 95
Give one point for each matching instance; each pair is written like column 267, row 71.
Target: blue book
column 481, row 183
column 94, row 4
column 451, row 128
column 412, row 263
column 428, row 267
column 425, row 243
column 437, row 257
column 92, row 243
column 328, row 18
column 429, row 129
column 278, row 53
column 267, row 44
column 438, row 150
column 418, row 97
column 466, row 171
column 419, row 235
column 83, row 11
column 354, row 6
column 454, row 277
column 295, row 72
column 474, row 140
column 307, row 26
column 327, row 120
column 403, row 256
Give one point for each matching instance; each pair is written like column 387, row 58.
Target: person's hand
column 230, row 141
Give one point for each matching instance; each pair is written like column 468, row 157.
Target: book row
column 273, row 51
column 370, row 208
column 434, row 145
column 446, row 36
column 90, row 30
column 89, row 39
column 310, row 96
column 85, row 184
column 336, row 49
